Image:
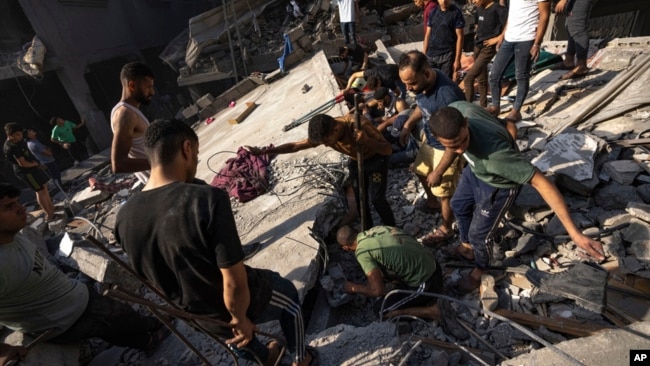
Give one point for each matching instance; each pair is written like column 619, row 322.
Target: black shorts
column 35, row 178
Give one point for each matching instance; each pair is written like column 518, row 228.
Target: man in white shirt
column 349, row 16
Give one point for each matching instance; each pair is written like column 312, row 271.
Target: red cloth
column 110, row 187
column 427, row 9
column 244, row 176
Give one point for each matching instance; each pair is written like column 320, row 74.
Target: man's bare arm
column 374, row 288
column 236, row 297
column 409, row 124
column 435, row 177
column 124, row 126
column 289, row 147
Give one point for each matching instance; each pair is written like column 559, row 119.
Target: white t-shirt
column 35, row 295
column 523, row 18
column 346, row 11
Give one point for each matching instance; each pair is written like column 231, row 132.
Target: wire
column 93, row 226
column 27, row 99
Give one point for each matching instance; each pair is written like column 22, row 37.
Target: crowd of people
column 180, row 234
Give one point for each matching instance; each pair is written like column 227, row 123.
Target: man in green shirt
column 490, row 183
column 63, row 134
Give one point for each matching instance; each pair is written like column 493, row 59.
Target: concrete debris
column 622, row 171
column 639, row 210
column 570, row 154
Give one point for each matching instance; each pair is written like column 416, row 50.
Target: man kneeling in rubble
column 35, row 296
column 387, row 254
column 490, row 183
column 180, row 234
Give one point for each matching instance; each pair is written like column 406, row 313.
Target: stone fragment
column 615, row 196
column 529, row 198
column 622, row 171
column 190, row 111
column 643, row 191
column 636, row 231
column 641, row 249
column 205, row 101
column 537, row 138
column 639, row 210
column 582, row 187
column 570, row 153
column 89, row 197
column 632, row 264
column 555, row 227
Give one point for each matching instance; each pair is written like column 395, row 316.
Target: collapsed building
column 604, row 176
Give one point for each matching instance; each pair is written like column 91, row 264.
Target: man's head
column 419, row 3
column 30, row 133
column 171, row 141
column 382, row 95
column 14, row 132
column 346, row 236
column 373, row 83
column 56, row 121
column 451, row 129
column 482, row 3
column 13, row 216
column 415, row 72
column 343, row 52
column 137, row 81
column 323, row 129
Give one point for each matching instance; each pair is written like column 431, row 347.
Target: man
column 129, row 123
column 577, row 26
column 388, row 255
column 443, row 39
column 426, row 6
column 522, row 38
column 436, row 168
column 490, row 20
column 348, row 17
column 181, row 236
column 27, row 168
column 381, row 75
column 356, row 59
column 63, row 134
column 490, row 183
column 35, row 296
column 44, row 155
column 341, row 135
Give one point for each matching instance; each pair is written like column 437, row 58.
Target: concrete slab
column 92, row 162
column 283, row 224
column 610, row 347
column 42, row 354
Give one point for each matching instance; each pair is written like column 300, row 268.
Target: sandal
column 436, row 237
column 573, row 75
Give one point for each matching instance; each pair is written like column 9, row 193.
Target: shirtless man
column 128, row 123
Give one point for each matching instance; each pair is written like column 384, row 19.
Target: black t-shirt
column 178, row 236
column 356, row 55
column 15, row 150
column 490, row 21
column 388, row 74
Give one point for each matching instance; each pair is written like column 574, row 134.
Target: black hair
column 12, row 127
column 415, row 60
column 164, row 138
column 135, row 71
column 320, row 126
column 53, row 120
column 446, row 123
column 346, row 235
column 7, row 190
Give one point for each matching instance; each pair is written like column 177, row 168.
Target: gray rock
column 537, row 138
column 582, row 187
column 555, row 227
column 644, row 192
column 570, row 153
column 615, row 196
column 529, row 198
column 608, row 218
column 639, row 210
column 632, row 264
column 502, row 336
column 622, row 171
column 641, row 249
column 525, row 244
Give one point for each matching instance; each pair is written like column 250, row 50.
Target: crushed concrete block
column 555, row 227
column 190, row 111
column 639, row 210
column 615, row 196
column 294, row 57
column 622, row 171
column 537, row 138
column 89, row 197
column 205, row 101
column 44, row 353
column 643, row 191
column 641, row 249
column 529, row 198
column 208, row 112
column 632, row 264
column 583, row 187
column 637, row 230
column 571, row 154
column 305, row 43
column 295, row 33
column 609, row 218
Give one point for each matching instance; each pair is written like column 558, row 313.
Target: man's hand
column 593, row 247
column 404, row 136
column 456, row 70
column 256, row 150
column 433, row 179
column 9, row 352
column 491, row 41
column 561, row 6
column 66, row 145
column 348, row 287
column 359, row 136
column 534, row 52
column 243, row 332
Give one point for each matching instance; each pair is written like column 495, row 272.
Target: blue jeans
column 349, row 30
column 479, row 208
column 521, row 52
column 283, row 306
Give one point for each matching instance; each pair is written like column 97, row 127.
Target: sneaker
column 448, row 321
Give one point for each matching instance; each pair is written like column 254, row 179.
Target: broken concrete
column 622, row 171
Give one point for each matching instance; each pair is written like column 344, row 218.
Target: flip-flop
column 573, row 75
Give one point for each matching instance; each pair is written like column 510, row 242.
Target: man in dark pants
column 489, row 184
column 577, row 25
column 443, row 39
column 341, row 135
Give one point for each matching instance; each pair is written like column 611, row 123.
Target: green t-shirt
column 492, row 153
column 64, row 133
column 399, row 256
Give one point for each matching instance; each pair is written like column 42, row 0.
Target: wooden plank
column 250, row 106
column 631, row 308
column 633, row 142
column 519, row 280
column 614, row 318
column 562, row 325
column 639, row 283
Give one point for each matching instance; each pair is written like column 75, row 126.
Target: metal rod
column 478, row 336
column 361, row 180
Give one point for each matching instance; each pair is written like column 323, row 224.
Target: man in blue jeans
column 490, row 183
column 522, row 39
column 180, row 234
